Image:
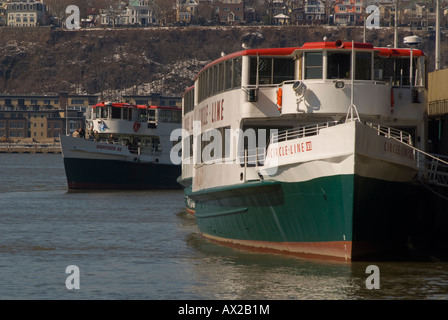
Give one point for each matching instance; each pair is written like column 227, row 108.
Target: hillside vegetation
column 112, row 62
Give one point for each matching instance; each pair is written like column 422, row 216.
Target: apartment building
column 229, row 11
column 26, row 13
column 420, row 16
column 41, row 118
column 348, row 12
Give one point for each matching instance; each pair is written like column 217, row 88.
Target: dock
column 30, row 148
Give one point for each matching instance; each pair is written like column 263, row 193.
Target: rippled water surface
column 142, row 245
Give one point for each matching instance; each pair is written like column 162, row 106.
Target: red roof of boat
column 128, row 105
column 338, row 44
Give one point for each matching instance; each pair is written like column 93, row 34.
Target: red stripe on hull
column 331, row 250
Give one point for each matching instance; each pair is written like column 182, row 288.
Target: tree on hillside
column 162, row 10
column 113, row 9
column 57, row 9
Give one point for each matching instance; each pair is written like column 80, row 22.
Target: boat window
column 116, row 113
column 214, row 78
column 363, row 65
column 125, row 114
column 338, row 65
column 223, row 76
column 283, row 70
column 156, row 146
column 228, row 74
column 177, row 116
column 271, row 70
column 236, row 83
column 142, row 115
column 152, row 115
column 188, row 101
column 104, row 112
column 165, row 115
column 394, row 70
column 313, row 65
column 264, row 71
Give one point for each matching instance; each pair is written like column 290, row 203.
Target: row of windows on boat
column 135, row 144
column 141, row 115
column 264, row 71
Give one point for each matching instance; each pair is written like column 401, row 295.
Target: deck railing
column 301, row 132
column 389, row 132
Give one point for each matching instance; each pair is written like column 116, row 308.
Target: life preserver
column 392, row 100
column 279, row 98
column 136, row 126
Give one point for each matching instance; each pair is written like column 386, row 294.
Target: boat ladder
column 433, row 169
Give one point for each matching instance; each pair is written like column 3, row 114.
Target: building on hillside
column 314, row 12
column 348, row 12
column 139, row 13
column 26, row 13
column 419, row 16
column 186, row 10
column 3, row 13
column 229, row 11
column 387, row 13
column 116, row 15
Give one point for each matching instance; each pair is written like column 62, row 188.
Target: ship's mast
column 396, row 25
column 437, row 35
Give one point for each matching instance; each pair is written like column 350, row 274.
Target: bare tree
column 162, row 9
column 113, row 9
column 57, row 9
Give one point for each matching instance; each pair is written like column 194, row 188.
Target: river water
column 143, row 245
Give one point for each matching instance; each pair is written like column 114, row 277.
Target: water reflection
column 226, row 273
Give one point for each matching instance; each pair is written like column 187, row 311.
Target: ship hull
column 345, row 217
column 100, row 174
column 352, row 205
column 91, row 165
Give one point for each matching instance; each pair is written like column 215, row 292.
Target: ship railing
column 256, row 157
column 253, row 157
column 389, row 132
column 432, row 168
column 301, row 132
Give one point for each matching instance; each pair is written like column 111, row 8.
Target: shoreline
column 30, row 148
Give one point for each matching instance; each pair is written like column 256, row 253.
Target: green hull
column 343, row 216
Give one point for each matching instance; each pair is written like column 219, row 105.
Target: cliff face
column 112, row 62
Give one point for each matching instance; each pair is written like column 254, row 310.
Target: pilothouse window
column 363, row 65
column 313, row 65
column 116, row 113
column 397, row 70
column 271, row 70
column 338, row 65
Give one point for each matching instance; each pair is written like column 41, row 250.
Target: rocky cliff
column 112, row 62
